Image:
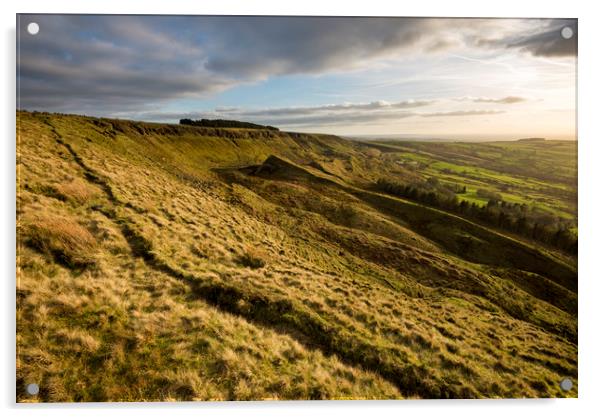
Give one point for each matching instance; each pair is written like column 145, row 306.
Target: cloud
column 462, row 113
column 338, row 119
column 542, row 39
column 261, row 46
column 294, row 116
column 355, row 118
column 502, row 100
column 328, row 115
column 550, row 43
column 105, row 65
column 345, row 107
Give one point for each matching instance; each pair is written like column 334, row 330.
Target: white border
column 590, row 189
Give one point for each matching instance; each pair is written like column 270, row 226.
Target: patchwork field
column 540, row 173
column 165, row 262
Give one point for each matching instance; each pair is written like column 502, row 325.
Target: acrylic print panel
column 252, row 208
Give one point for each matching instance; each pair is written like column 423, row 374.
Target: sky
column 422, row 77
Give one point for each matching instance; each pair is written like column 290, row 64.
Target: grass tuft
column 253, row 258
column 77, row 191
column 63, row 238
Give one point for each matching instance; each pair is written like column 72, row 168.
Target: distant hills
column 450, row 138
column 531, row 140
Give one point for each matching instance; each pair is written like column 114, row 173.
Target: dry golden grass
column 114, row 334
column 253, row 257
column 122, row 331
column 76, row 190
column 77, row 340
column 60, row 237
column 335, row 308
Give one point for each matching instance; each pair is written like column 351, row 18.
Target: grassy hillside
column 161, row 262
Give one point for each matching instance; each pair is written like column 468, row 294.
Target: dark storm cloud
column 543, row 40
column 88, row 63
column 105, row 65
column 258, row 46
column 549, row 43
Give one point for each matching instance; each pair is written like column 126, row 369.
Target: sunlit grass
column 294, row 283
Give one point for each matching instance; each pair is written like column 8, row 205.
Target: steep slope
column 194, row 263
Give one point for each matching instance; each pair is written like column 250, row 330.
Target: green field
column 159, row 262
column 542, row 174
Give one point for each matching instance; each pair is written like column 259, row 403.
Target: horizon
column 496, row 79
column 389, row 136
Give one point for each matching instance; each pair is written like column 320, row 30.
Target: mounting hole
column 566, row 32
column 33, row 28
column 32, row 389
column 566, row 384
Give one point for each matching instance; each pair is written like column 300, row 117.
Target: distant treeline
column 224, row 123
column 514, row 217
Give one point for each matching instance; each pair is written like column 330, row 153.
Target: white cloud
column 499, row 100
